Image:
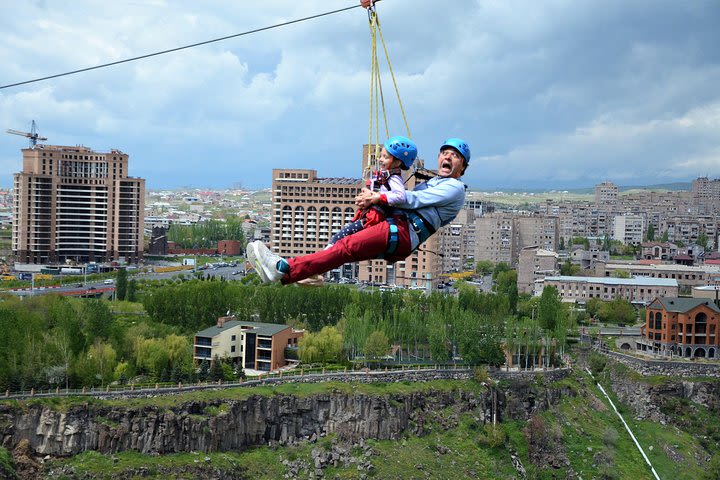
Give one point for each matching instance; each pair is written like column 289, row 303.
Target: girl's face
column 387, row 161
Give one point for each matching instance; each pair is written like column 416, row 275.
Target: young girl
column 398, row 154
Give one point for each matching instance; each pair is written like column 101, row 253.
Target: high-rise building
column 629, row 229
column 308, row 209
column 72, row 203
column 606, row 194
column 499, row 237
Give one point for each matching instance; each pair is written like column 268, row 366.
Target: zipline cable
column 163, row 52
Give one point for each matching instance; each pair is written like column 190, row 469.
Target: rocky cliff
column 230, row 424
column 650, row 398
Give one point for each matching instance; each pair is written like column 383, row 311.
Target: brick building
column 683, row 327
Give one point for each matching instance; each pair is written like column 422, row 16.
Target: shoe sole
column 253, row 258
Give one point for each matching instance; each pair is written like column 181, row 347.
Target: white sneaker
column 264, row 261
column 252, row 258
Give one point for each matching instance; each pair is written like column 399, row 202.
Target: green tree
column 102, row 361
column 621, row 274
column 562, row 243
column 618, row 310
column 593, row 305
column 499, row 268
column 97, row 320
column 607, row 243
column 216, row 370
column 665, row 236
column 549, row 308
column 121, row 284
column 484, row 267
column 702, row 240
column 568, row 268
column 132, row 291
column 377, row 345
column 325, row 346
column 580, row 241
column 650, row 235
column 506, row 283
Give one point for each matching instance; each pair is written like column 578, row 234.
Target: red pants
column 369, row 243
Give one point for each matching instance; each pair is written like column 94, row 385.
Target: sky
column 555, row 94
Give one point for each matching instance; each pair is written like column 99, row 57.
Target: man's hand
column 366, row 3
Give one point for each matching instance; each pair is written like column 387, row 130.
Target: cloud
column 559, row 93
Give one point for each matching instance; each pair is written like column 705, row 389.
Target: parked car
column 109, row 281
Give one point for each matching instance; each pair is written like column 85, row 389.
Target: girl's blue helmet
column 403, row 149
column 460, row 145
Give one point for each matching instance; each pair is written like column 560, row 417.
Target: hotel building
column 72, row 203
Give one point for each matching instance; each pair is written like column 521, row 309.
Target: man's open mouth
column 446, row 164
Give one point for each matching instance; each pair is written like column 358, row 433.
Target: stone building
column 534, row 264
column 636, row 290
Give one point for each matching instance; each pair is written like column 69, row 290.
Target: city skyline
column 559, row 96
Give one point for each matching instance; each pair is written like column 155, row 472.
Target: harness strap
column 392, row 237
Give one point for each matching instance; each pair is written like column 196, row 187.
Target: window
column 233, row 338
column 232, row 349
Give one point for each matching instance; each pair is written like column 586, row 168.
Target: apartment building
column 682, row 327
column 255, row 345
column 72, row 203
column 629, row 229
column 499, row 237
column 457, row 242
column 606, row 194
column 688, row 229
column 638, row 290
column 705, row 190
column 534, row 264
column 307, row 210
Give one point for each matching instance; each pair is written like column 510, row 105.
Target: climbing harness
column 377, row 100
column 392, row 237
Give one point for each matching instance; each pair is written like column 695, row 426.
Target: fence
column 269, row 378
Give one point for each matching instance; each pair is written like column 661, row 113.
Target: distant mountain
column 676, row 186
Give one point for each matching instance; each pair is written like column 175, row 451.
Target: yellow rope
column 377, row 99
column 392, row 75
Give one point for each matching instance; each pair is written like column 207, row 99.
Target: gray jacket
column 437, row 201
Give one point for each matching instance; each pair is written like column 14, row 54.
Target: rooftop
column 265, row 329
column 659, row 282
column 685, row 304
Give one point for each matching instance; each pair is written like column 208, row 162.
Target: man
column 428, row 207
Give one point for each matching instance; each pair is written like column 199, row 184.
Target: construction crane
column 32, row 134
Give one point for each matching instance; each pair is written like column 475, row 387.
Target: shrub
column 597, row 362
column 493, row 436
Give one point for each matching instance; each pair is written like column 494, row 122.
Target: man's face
column 450, row 163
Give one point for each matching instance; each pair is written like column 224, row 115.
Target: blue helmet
column 403, row 149
column 460, row 145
